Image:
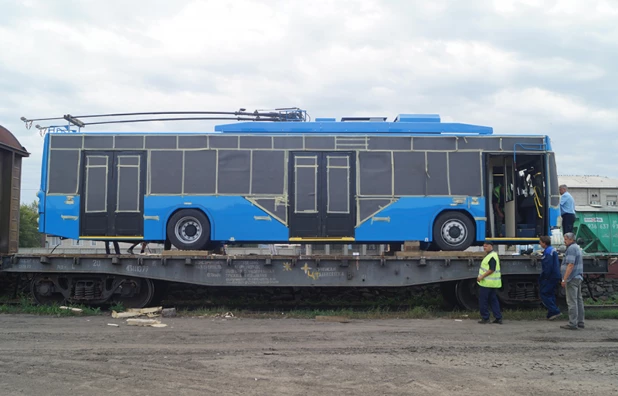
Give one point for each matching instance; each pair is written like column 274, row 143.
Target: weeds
column 411, row 308
column 418, row 312
column 118, row 307
column 611, row 300
column 26, row 306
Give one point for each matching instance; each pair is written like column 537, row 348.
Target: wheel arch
column 196, row 207
column 463, row 211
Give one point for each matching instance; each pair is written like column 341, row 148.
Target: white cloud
column 525, row 66
column 539, row 103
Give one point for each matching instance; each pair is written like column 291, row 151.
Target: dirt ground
column 201, row 356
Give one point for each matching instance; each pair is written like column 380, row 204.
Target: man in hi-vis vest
column 489, row 280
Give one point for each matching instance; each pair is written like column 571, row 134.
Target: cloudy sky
column 527, row 66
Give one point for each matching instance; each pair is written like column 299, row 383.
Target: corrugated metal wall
column 11, row 154
column 10, row 183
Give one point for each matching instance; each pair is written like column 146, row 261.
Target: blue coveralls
column 549, row 280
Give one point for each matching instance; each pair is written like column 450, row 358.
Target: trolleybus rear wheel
column 188, row 229
column 453, row 231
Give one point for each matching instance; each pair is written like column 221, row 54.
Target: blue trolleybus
column 282, row 179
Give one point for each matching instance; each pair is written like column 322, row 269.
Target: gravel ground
column 200, row 356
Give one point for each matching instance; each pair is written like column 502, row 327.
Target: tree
column 29, row 235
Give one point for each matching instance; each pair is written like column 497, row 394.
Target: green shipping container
column 596, row 229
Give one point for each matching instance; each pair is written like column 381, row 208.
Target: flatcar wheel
column 448, row 294
column 135, row 293
column 45, row 291
column 466, row 292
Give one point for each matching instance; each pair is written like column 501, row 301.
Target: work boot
column 568, row 327
column 497, row 321
column 484, row 321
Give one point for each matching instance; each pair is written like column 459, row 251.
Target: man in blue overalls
column 549, row 278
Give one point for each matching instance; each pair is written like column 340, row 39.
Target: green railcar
column 596, row 229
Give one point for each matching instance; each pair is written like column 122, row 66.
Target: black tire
column 425, row 246
column 188, row 229
column 160, row 291
column 453, row 231
column 448, row 295
column 466, row 293
column 214, row 247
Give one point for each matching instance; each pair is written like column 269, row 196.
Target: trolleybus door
column 501, row 172
column 321, row 191
column 112, row 193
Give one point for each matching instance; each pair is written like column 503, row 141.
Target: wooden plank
column 411, row 246
column 142, row 322
column 186, row 253
column 124, row 315
column 78, row 310
column 146, row 310
column 134, row 312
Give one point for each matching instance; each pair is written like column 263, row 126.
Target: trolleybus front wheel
column 188, row 229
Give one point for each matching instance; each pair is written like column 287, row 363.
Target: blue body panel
column 354, row 127
column 554, row 213
column 411, row 218
column 41, row 206
column 418, row 118
column 61, row 216
column 237, row 219
column 233, row 218
column 43, row 188
column 548, row 143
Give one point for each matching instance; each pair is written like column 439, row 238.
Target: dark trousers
column 130, row 250
column 116, row 247
column 568, row 219
column 548, row 295
column 488, row 297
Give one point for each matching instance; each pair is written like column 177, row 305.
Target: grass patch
column 377, row 303
column 27, row 306
column 385, row 313
column 602, row 314
column 611, row 300
column 376, row 308
column 118, row 307
column 368, row 313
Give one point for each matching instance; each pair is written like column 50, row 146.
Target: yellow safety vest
column 494, row 280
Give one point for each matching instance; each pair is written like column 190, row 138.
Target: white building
column 592, row 190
